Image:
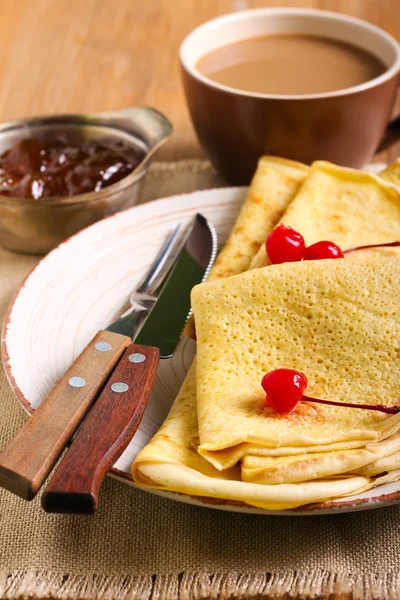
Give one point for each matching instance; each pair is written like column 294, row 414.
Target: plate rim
column 329, row 507
column 26, row 405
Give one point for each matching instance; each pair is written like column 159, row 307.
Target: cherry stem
column 389, row 244
column 389, row 410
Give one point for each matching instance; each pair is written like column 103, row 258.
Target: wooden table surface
column 95, row 55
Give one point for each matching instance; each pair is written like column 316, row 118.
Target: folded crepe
column 372, row 460
column 392, row 173
column 348, row 349
column 171, row 460
column 274, row 185
column 342, row 205
column 338, row 321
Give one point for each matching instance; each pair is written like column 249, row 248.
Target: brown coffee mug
column 236, row 127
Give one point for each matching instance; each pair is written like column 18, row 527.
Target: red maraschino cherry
column 323, row 249
column 285, row 387
column 284, row 244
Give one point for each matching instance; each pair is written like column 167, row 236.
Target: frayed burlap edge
column 195, row 586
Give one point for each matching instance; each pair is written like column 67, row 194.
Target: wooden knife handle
column 33, row 452
column 104, row 435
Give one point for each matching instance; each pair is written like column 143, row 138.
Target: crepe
column 386, row 464
column 274, row 185
column 371, row 460
column 345, row 206
column 338, row 321
column 171, row 462
column 392, row 173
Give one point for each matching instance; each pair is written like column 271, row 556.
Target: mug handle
column 392, row 133
column 391, row 136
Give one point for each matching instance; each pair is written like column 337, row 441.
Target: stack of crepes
column 337, row 321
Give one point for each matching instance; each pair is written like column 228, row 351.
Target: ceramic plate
column 83, row 285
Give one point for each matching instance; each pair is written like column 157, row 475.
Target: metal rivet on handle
column 103, row 346
column 137, row 357
column 119, row 387
column 76, row 382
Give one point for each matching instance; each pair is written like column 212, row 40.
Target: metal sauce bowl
column 37, row 226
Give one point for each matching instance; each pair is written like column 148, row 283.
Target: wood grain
column 33, row 452
column 104, row 435
column 68, row 55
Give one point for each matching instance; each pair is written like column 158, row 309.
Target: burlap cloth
column 142, row 546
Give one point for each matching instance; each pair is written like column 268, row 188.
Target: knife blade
column 32, row 453
column 116, row 414
column 195, row 257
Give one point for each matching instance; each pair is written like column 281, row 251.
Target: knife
column 33, row 452
column 116, row 414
